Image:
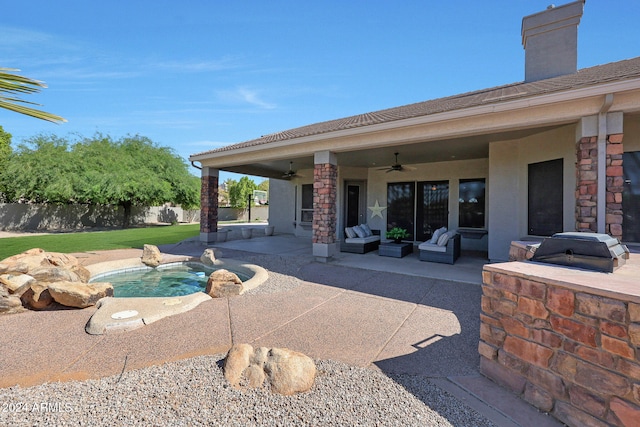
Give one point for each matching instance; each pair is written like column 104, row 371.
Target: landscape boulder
column 10, row 304
column 37, row 258
column 151, row 256
column 54, row 274
column 208, row 257
column 79, row 295
column 223, row 283
column 31, row 279
column 13, row 282
column 37, row 296
column 285, row 371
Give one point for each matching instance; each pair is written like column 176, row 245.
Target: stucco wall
column 508, row 169
column 31, row 217
column 452, row 171
column 285, row 198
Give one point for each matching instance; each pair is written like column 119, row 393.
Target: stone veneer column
column 209, row 204
column 325, row 196
column 615, row 183
column 587, row 182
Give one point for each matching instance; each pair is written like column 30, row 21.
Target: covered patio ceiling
column 464, row 148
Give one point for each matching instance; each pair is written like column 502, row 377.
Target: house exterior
column 557, row 152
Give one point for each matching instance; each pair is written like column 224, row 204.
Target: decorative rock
column 80, row 295
column 37, row 296
column 287, row 372
column 36, row 258
column 54, row 274
column 237, row 360
column 223, row 283
column 208, row 257
column 82, row 273
column 151, row 256
column 9, row 304
column 14, row 281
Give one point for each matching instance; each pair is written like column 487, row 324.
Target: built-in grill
column 591, row 251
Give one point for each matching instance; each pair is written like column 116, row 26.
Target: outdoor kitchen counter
column 623, row 283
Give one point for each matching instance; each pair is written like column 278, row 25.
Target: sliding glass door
column 420, row 207
column 400, row 205
column 432, row 208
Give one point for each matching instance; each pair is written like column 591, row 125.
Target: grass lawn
column 98, row 240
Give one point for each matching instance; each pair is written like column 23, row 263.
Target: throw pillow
column 359, row 231
column 442, row 240
column 366, row 229
column 349, row 232
column 436, row 235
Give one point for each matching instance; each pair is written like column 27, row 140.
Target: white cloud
column 246, row 95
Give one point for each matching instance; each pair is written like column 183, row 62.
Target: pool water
column 169, row 281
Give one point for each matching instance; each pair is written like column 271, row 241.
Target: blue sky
column 196, row 75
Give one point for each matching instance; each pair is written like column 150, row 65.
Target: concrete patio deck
column 393, row 315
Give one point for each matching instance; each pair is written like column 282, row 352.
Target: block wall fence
column 566, row 351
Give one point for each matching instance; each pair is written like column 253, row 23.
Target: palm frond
column 11, row 83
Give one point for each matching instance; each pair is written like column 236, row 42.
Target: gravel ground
column 193, row 392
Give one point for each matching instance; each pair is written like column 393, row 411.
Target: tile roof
column 611, row 72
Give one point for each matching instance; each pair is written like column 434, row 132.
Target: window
column 545, row 198
column 433, row 208
column 631, row 197
column 306, row 211
column 400, row 205
column 471, row 203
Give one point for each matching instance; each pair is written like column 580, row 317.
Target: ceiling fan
column 290, row 173
column 396, row 167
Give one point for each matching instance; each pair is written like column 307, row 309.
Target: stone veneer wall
column 569, row 352
column 587, row 185
column 325, row 179
column 209, row 204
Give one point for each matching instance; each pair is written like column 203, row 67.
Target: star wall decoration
column 376, row 210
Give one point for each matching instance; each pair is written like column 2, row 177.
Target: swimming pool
column 169, row 280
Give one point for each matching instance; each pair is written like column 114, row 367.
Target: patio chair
column 360, row 239
column 445, row 250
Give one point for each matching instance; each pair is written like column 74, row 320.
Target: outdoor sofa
column 360, row 239
column 444, row 247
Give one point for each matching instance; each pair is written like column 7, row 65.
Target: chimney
column 550, row 41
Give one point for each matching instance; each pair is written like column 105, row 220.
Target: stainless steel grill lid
column 591, row 251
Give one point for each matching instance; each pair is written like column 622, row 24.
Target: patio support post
column 209, row 204
column 325, row 196
column 595, row 213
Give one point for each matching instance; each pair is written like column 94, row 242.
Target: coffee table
column 395, row 250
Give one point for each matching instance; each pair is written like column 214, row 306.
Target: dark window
column 545, row 198
column 353, row 205
column 400, row 205
column 306, row 211
column 433, row 208
column 631, row 197
column 471, row 203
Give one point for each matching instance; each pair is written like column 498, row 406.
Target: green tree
column 40, row 171
column 240, row 191
column 5, row 148
column 264, row 186
column 132, row 171
column 5, row 153
column 12, row 85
